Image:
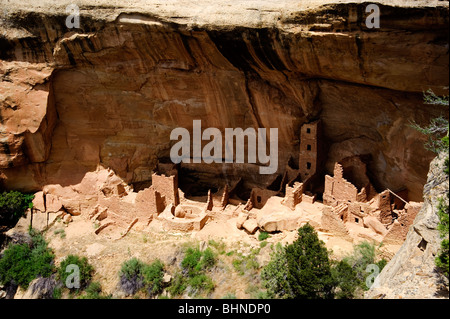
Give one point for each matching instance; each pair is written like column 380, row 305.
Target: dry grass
column 107, row 256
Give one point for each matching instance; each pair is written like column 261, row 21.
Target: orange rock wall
column 110, row 92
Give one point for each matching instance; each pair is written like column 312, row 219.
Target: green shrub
column 15, row 265
column 21, row 263
column 195, row 261
column 274, row 274
column 246, row 264
column 131, row 276
column 346, row 280
column 200, row 283
column 442, row 259
column 303, row 269
column 381, row 264
column 57, row 293
column 61, row 233
column 135, row 275
column 13, row 205
column 300, row 270
column 218, row 246
column 194, row 265
column 94, row 291
column 178, row 285
column 153, row 277
column 208, row 259
column 363, row 255
column 131, row 268
column 85, row 270
column 263, row 295
column 263, row 236
column 191, row 261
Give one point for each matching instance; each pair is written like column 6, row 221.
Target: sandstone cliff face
column 110, row 92
column 412, row 272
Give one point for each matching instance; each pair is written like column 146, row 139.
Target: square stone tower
column 310, row 149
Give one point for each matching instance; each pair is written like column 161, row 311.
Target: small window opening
column 422, row 245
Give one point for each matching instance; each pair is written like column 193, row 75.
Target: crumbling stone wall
column 400, row 227
column 259, row 196
column 308, row 197
column 354, row 214
column 332, row 223
column 383, row 203
column 337, row 188
column 293, row 195
column 225, row 197
column 365, row 208
column 149, row 200
column 167, row 186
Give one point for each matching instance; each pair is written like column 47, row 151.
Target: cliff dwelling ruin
column 87, row 115
column 349, row 207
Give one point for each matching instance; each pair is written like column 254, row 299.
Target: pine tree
column 309, row 268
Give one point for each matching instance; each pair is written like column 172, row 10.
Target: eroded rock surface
column 110, row 92
column 412, row 272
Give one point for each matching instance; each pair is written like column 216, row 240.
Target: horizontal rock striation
column 110, row 92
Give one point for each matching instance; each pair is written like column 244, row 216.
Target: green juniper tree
column 437, row 130
column 303, row 270
column 309, row 268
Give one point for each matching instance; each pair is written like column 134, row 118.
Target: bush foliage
column 263, row 236
column 13, row 205
column 86, row 269
column 131, row 277
column 94, row 291
column 274, row 274
column 135, row 275
column 442, row 259
column 193, row 277
column 21, row 263
column 304, row 270
column 153, row 277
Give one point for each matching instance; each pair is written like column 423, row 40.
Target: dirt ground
column 148, row 243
